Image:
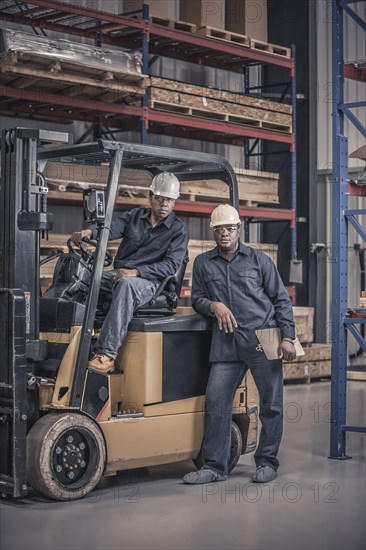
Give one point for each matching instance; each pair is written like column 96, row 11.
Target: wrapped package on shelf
column 19, row 45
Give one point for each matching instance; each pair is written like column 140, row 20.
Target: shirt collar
column 168, row 221
column 242, row 250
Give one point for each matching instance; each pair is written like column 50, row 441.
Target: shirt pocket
column 249, row 280
column 132, row 238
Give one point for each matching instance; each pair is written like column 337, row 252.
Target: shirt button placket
column 228, row 275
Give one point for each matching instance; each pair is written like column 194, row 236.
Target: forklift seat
column 164, row 301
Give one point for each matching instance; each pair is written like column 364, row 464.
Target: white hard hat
column 224, row 214
column 165, row 184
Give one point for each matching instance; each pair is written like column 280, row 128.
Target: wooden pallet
column 185, row 110
column 241, row 119
column 270, row 48
column 106, row 86
column 174, row 24
column 224, row 35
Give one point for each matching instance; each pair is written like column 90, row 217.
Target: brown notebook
column 270, row 339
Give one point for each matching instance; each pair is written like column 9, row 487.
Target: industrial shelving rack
column 143, row 34
column 342, row 216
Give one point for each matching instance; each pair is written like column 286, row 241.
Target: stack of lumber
column 315, row 364
column 192, row 100
column 254, row 187
column 71, row 178
column 58, row 66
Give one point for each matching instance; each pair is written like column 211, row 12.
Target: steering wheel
column 87, row 254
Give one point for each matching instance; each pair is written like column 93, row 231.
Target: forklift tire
column 235, row 451
column 65, row 455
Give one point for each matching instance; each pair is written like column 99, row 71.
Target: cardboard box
column 204, row 13
column 158, row 8
column 247, row 17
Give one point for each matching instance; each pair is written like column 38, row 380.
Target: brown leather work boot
column 101, row 362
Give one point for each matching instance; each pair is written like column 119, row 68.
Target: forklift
column 63, row 426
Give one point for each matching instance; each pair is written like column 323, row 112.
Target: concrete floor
column 315, row 503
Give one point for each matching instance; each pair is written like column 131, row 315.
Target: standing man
column 154, row 246
column 242, row 289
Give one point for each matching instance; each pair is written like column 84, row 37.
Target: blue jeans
column 223, row 381
column 128, row 294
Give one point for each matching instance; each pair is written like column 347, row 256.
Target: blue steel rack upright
column 341, row 217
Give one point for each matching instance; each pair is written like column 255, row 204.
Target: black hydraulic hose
column 51, row 256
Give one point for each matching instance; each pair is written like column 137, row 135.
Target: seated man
column 154, row 245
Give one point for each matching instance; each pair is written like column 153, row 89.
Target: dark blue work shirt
column 156, row 252
column 251, row 287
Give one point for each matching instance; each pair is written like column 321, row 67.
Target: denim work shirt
column 156, row 252
column 251, row 287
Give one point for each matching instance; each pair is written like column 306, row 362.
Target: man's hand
column 287, row 350
column 126, row 273
column 225, row 318
column 78, row 236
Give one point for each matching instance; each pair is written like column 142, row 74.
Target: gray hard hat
column 165, row 184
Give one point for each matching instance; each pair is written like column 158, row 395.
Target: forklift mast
column 23, row 215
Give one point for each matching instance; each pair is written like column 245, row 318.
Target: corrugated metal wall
column 354, row 50
column 324, row 260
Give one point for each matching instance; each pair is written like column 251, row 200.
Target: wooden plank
column 225, row 35
column 220, row 95
column 77, row 198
